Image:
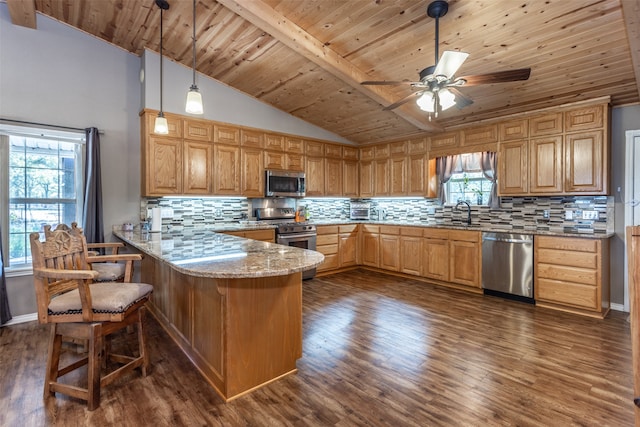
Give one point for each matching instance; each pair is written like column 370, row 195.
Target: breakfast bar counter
column 233, row 305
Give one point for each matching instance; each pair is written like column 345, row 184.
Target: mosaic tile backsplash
column 584, row 214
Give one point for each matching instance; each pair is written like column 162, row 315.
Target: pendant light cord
column 194, row 44
column 161, row 10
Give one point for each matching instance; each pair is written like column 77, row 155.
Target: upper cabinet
column 561, row 153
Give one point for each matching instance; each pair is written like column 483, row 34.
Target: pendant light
column 194, row 98
column 161, row 126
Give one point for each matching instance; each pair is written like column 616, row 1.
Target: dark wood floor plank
column 377, row 351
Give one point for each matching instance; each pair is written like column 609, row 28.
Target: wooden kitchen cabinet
column 367, row 181
column 586, row 163
column 417, row 172
column 411, row 250
column 267, row 235
column 350, row 178
column 390, row 247
column 198, row 167
column 381, row 177
column 294, row 162
column 274, row 160
column 435, row 254
column 163, row 167
column 348, row 245
column 545, row 165
column 572, row 274
column 465, row 262
column 398, row 176
column 252, row 180
column 327, row 244
column 314, row 173
column 513, row 168
column 333, row 177
column 370, row 243
column 226, row 159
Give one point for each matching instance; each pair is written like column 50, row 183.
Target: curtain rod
column 44, row 124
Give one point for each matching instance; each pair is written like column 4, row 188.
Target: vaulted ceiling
column 308, row 57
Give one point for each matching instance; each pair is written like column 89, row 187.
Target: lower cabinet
column 464, row 258
column 369, row 245
column 268, row 235
column 435, row 255
column 572, row 274
column 390, row 248
column 411, row 247
column 327, row 244
column 348, row 245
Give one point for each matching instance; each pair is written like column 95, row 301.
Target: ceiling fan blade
column 404, row 100
column 461, row 100
column 449, row 63
column 497, row 77
column 388, row 82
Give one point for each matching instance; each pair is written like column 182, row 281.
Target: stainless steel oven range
column 289, row 232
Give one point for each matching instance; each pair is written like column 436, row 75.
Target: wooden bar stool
column 79, row 309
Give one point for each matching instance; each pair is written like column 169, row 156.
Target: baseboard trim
column 617, row 307
column 22, row 319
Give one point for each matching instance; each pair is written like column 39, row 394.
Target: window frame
column 6, row 130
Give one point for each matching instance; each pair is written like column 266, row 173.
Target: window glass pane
column 17, row 187
column 42, row 183
column 67, row 178
column 19, row 250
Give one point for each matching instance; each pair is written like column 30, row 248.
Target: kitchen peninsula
column 233, row 305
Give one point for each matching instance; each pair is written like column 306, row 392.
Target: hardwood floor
column 378, row 350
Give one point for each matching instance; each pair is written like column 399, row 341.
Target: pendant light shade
column 161, row 126
column 194, row 97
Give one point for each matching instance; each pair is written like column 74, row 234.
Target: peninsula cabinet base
column 240, row 333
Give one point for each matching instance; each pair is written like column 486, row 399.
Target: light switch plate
column 568, row 215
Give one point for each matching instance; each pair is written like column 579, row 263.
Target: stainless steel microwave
column 284, row 184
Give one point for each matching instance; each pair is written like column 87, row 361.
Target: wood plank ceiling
column 307, row 57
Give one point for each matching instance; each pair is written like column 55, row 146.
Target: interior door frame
column 632, row 144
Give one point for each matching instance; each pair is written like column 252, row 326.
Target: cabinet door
column 545, row 162
column 585, row 163
column 164, row 170
column 435, row 264
column 252, row 172
column 398, row 176
column 513, row 173
column 464, row 266
column 390, row 252
column 411, row 255
column 347, row 249
column 370, row 244
column 294, row 145
column 381, row 178
column 226, row 159
column 314, row 172
column 333, row 177
column 417, row 170
column 294, row 162
column 274, row 160
column 198, row 167
column 367, row 174
column 350, row 178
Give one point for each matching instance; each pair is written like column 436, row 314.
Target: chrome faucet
column 468, row 210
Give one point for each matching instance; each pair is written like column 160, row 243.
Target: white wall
column 221, row 102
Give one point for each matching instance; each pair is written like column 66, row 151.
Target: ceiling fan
column 438, row 86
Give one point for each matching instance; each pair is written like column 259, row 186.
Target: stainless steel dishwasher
column 507, row 265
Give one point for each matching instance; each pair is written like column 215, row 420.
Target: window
column 468, row 183
column 43, row 180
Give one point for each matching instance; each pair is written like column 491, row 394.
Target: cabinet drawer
column 326, row 239
column 567, row 293
column 464, row 236
column 370, row 228
column 567, row 258
column 390, row 229
column 328, row 249
column 567, row 243
column 348, row 228
column 436, row 233
column 327, row 229
column 567, row 274
column 411, row 231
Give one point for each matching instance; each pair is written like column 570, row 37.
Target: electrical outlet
column 166, row 213
column 568, row 215
column 590, row 215
column 545, row 214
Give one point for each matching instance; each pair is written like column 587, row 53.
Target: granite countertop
column 209, row 254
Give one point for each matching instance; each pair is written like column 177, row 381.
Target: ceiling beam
column 23, row 12
column 266, row 18
column 631, row 15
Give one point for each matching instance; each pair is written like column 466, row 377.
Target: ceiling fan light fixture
column 426, row 102
column 194, row 97
column 446, row 99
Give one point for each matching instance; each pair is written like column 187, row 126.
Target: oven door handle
column 295, row 236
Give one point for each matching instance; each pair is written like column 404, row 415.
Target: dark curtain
column 489, row 171
column 5, row 313
column 92, row 222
